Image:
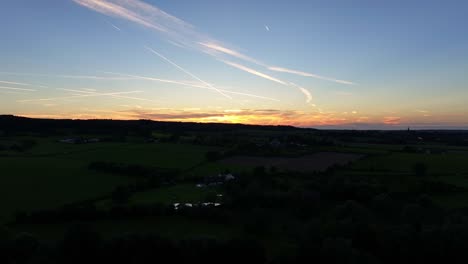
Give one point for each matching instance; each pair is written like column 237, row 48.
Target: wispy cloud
column 306, row 74
column 267, row 28
column 246, row 116
column 392, row 120
column 254, row 72
column 17, row 89
column 424, row 113
column 123, row 9
column 178, row 31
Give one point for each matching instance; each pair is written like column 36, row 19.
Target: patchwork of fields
column 52, row 174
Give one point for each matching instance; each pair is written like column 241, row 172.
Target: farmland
column 315, row 162
column 52, row 174
column 279, row 186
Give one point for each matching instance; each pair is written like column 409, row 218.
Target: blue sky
column 308, row 63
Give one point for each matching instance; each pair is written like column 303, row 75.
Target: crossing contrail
column 187, row 72
column 194, row 86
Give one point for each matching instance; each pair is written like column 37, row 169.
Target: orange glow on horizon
column 250, row 117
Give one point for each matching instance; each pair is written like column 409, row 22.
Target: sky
column 333, row 64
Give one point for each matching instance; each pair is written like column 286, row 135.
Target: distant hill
column 23, row 124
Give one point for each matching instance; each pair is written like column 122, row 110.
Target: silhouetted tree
column 81, row 244
column 23, row 247
column 420, row 169
column 212, row 156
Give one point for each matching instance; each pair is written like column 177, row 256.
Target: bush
column 420, row 169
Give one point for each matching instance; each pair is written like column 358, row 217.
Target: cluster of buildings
column 212, row 181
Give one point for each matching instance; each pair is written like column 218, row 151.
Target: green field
column 53, row 173
column 41, row 183
column 402, row 162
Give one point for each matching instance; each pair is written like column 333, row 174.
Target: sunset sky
column 342, row 64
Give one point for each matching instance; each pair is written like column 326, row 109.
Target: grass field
column 165, row 155
column 403, row 162
column 40, row 183
column 52, row 174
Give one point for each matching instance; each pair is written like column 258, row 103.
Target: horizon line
column 346, row 127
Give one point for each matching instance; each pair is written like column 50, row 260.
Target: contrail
column 194, row 86
column 306, row 74
column 116, row 10
column 116, row 95
column 68, row 76
column 11, row 92
column 178, row 31
column 16, row 83
column 187, row 72
column 91, row 77
column 306, row 92
column 114, row 26
column 231, row 52
column 254, row 72
column 76, row 96
column 159, row 80
column 17, row 89
column 252, row 95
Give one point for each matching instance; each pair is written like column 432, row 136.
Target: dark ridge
column 11, row 123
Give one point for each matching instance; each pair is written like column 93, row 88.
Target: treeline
column 327, row 219
column 350, row 233
column 81, row 244
column 90, row 213
column 13, row 125
column 343, row 219
column 398, row 137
